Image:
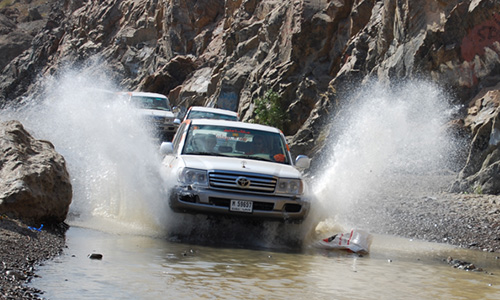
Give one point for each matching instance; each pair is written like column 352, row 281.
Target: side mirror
column 166, row 148
column 177, row 122
column 302, row 161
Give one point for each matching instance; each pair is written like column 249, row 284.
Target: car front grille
column 162, row 120
column 242, row 182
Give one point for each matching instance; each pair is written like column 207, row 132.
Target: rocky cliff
column 227, row 53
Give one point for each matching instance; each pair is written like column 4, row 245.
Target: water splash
column 112, row 159
column 384, row 142
column 114, row 165
column 388, row 141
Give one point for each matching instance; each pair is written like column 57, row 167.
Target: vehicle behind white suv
column 234, row 168
column 202, row 112
column 156, row 108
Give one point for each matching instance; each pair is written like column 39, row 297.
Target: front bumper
column 166, row 128
column 209, row 201
column 170, row 128
column 163, row 125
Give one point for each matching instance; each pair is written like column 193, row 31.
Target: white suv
column 218, row 167
column 156, row 107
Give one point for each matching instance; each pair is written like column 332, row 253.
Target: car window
column 151, row 102
column 239, row 142
column 177, row 138
column 210, row 115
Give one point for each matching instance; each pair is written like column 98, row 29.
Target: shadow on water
column 236, row 232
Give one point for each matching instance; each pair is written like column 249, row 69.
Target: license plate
column 241, row 206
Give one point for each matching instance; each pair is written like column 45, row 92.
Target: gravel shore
column 23, row 248
column 465, row 220
column 468, row 221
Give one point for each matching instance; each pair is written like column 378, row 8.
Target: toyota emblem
column 242, row 182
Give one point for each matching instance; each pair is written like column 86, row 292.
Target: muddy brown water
column 145, row 267
column 389, row 142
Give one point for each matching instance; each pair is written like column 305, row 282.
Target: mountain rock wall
column 227, row 53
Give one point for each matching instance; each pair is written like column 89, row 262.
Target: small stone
column 95, row 256
column 16, row 275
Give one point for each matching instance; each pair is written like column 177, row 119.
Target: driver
column 258, row 146
column 210, row 143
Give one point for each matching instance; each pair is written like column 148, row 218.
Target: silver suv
column 156, row 108
column 234, row 168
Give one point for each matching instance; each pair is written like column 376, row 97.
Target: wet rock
column 34, row 182
column 463, row 265
column 95, row 256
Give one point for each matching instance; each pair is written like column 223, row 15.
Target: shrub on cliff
column 269, row 110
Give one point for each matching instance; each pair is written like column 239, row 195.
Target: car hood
column 236, row 164
column 157, row 112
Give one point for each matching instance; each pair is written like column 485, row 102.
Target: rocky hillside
column 227, row 53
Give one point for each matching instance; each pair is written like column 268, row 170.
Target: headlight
column 190, row 176
column 289, row 186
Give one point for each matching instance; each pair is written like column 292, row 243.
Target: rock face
column 12, row 42
column 228, row 53
column 34, row 183
column 481, row 173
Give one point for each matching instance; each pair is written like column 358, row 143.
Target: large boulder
column 34, row 183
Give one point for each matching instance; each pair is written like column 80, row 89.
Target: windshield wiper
column 160, row 108
column 205, row 153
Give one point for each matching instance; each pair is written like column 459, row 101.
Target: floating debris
column 35, row 229
column 354, row 241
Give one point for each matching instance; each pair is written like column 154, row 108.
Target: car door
column 177, row 144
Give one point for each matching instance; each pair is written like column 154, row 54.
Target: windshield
column 210, row 115
column 151, row 102
column 236, row 142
